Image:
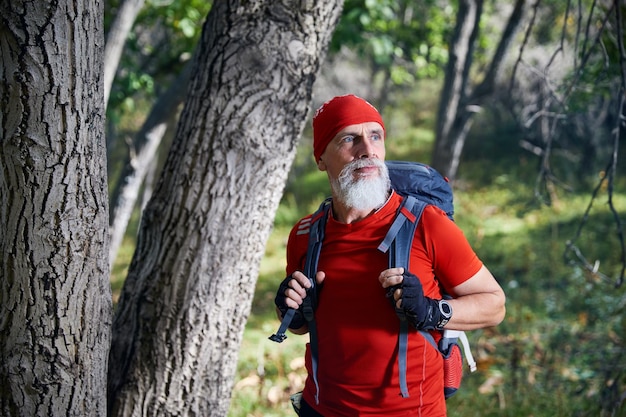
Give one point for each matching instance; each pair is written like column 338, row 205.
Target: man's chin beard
column 363, row 193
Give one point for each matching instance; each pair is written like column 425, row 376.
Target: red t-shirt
column 357, row 325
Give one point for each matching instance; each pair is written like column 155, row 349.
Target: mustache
column 361, row 163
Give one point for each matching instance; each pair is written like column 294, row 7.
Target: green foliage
column 163, row 38
column 596, row 81
column 407, row 40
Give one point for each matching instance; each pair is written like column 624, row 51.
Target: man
column 357, row 325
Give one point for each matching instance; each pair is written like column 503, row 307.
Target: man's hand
column 406, row 293
column 292, row 292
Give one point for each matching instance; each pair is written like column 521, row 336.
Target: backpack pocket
column 452, row 370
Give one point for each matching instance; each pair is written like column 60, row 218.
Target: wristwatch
column 446, row 313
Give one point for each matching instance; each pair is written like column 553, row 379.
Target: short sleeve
column 453, row 259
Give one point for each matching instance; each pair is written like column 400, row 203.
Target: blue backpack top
column 423, row 182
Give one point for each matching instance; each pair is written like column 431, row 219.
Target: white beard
column 362, row 193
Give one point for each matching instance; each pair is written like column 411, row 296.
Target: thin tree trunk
column 116, row 39
column 55, row 297
column 457, row 105
column 455, row 84
column 183, row 308
column 141, row 157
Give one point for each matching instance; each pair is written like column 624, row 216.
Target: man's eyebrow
column 347, row 131
column 375, row 130
column 343, row 133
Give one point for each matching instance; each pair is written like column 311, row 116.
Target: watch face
column 445, row 308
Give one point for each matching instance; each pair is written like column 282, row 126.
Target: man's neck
column 344, row 214
column 349, row 215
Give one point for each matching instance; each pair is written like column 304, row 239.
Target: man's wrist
column 445, row 314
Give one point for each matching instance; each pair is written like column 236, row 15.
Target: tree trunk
column 457, row 104
column 141, row 158
column 454, row 87
column 55, row 295
column 116, row 39
column 184, row 305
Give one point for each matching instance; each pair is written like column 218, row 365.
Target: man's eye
column 347, row 139
column 376, row 136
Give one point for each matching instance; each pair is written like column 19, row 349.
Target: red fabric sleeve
column 453, row 259
column 297, row 245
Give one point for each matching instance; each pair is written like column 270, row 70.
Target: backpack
column 420, row 185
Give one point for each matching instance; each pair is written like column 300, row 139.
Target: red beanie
column 337, row 113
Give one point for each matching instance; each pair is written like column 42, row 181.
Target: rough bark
column 55, row 298
column 459, row 100
column 184, row 305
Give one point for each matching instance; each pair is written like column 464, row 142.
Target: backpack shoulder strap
column 399, row 238
column 316, row 235
column 398, row 242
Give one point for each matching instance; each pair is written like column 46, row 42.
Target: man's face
column 354, row 162
column 363, row 140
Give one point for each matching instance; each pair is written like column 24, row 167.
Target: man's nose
column 367, row 149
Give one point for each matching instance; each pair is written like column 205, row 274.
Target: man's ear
column 321, row 165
